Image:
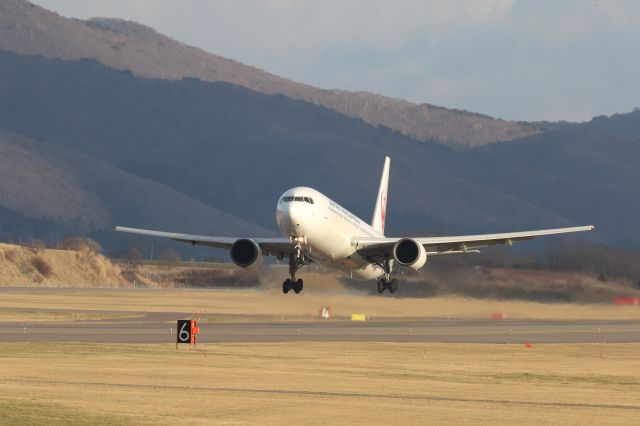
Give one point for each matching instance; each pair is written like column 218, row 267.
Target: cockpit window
column 302, row 199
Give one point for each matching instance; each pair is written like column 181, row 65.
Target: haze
column 511, row 59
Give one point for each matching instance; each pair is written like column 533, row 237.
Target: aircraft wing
column 269, row 246
column 439, row 246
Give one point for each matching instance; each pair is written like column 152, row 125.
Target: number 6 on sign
column 186, row 332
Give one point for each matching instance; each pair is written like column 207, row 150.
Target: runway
column 160, row 328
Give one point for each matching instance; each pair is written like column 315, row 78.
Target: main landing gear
column 386, row 282
column 296, row 261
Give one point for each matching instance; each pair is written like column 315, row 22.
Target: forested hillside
column 228, row 148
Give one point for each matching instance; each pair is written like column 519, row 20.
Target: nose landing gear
column 296, row 261
column 295, row 285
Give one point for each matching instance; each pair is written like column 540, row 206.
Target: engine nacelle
column 409, row 252
column 246, row 253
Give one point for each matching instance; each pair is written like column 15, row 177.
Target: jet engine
column 409, row 252
column 246, row 253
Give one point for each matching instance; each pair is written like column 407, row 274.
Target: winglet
column 380, row 211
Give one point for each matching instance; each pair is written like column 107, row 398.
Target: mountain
column 29, row 29
column 50, row 192
column 230, row 148
column 589, row 172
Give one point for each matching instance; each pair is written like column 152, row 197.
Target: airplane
column 317, row 229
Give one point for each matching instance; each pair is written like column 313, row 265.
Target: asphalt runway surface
column 161, row 328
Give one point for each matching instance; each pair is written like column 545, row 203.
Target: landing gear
column 383, row 284
column 386, row 282
column 393, row 285
column 296, row 286
column 296, row 261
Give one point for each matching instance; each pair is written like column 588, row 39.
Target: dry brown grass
column 525, row 284
column 22, row 316
column 330, row 383
column 11, row 254
column 278, row 305
column 20, row 266
column 42, row 266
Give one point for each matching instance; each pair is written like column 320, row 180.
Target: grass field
column 47, row 316
column 320, row 383
column 271, row 304
column 309, row 383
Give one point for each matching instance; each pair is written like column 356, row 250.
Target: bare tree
column 134, row 254
column 80, row 243
column 169, row 255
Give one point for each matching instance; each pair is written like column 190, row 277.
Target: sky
column 512, row 59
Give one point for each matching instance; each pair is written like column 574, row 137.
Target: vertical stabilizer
column 380, row 212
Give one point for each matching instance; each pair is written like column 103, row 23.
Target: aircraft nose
column 292, row 216
column 296, row 214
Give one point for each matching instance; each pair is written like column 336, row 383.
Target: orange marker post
column 186, row 332
column 195, row 330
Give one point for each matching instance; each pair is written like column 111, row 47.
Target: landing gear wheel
column 380, row 286
column 286, row 286
column 393, row 285
column 296, row 261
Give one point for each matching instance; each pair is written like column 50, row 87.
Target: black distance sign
column 184, row 331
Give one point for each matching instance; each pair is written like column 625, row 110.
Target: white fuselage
column 327, row 230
